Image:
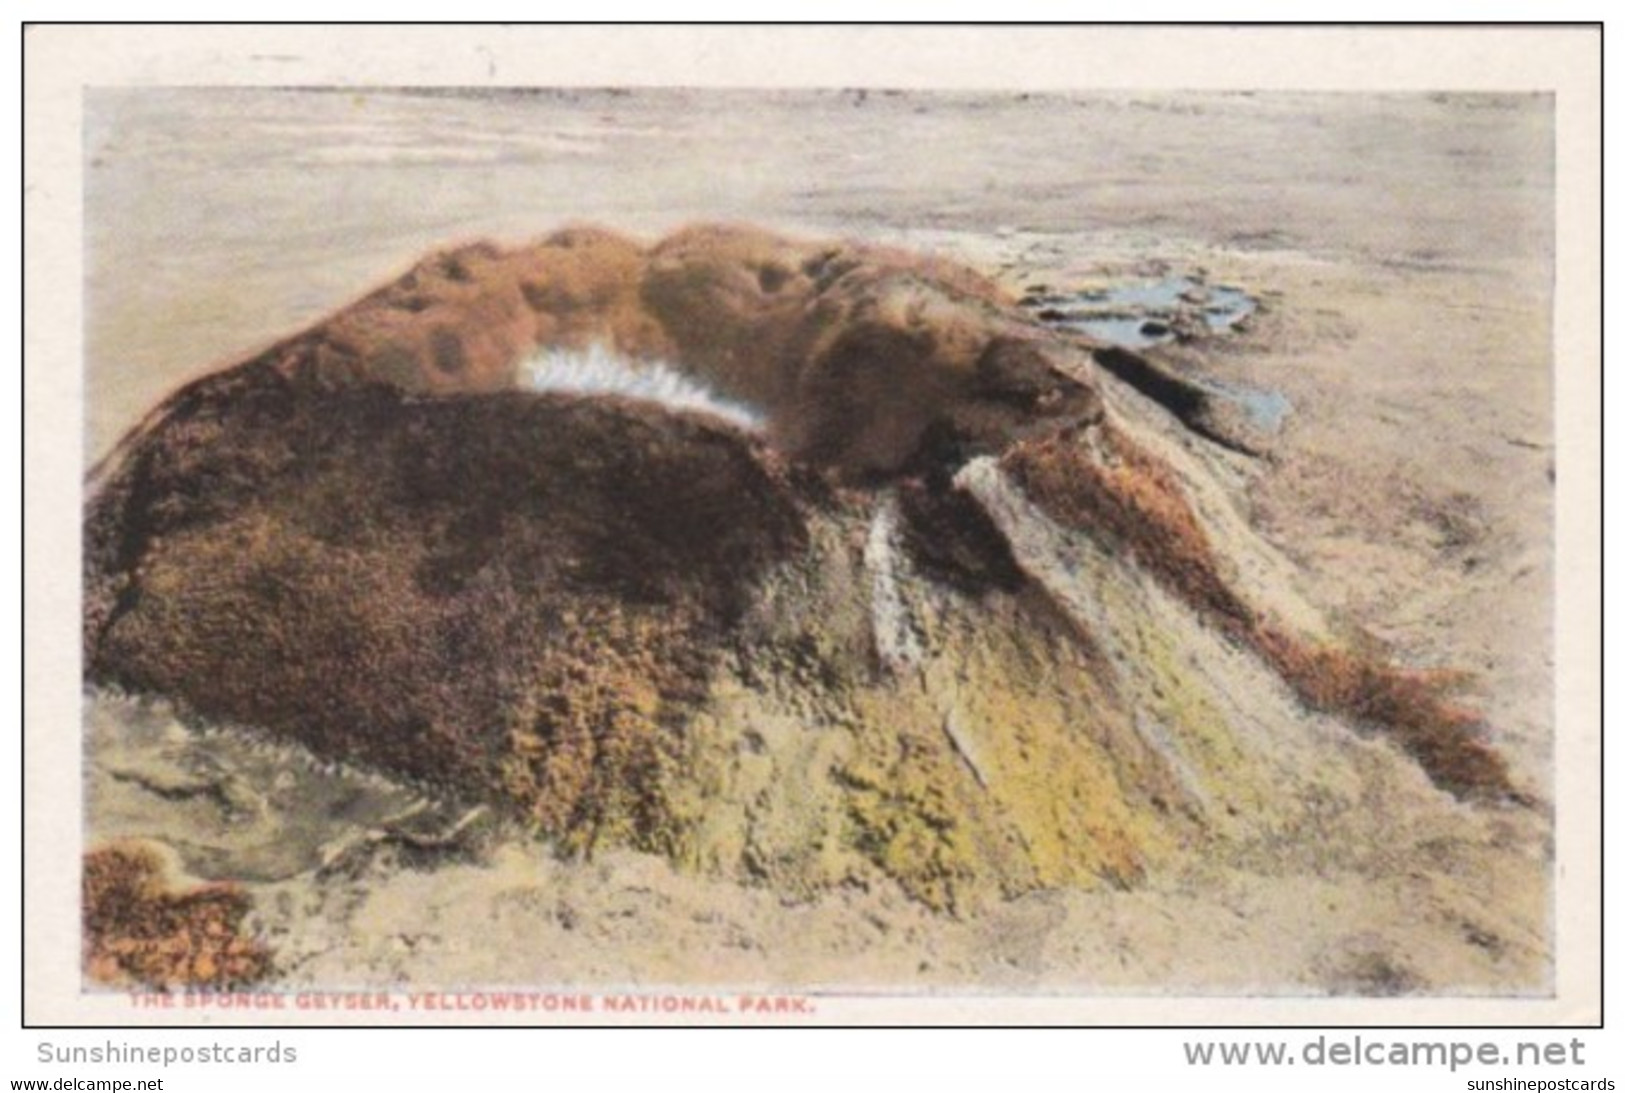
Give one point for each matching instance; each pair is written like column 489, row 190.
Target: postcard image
column 576, row 544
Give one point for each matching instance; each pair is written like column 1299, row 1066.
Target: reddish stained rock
column 857, row 354
column 138, row 930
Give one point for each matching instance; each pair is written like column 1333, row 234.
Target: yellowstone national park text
column 491, row 1002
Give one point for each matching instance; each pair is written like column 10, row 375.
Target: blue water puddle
column 1117, row 331
column 1143, row 314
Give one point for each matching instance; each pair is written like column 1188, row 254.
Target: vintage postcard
column 583, row 524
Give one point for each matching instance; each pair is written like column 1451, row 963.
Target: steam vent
column 801, row 565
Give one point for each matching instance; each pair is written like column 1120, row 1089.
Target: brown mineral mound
column 860, row 356
column 944, row 620
column 425, row 568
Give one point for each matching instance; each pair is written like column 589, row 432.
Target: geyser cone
column 941, row 619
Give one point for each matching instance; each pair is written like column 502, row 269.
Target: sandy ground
column 1401, row 248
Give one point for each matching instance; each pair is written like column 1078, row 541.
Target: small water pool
column 1142, row 314
column 1138, row 315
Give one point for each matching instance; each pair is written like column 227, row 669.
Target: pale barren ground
column 1401, row 247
